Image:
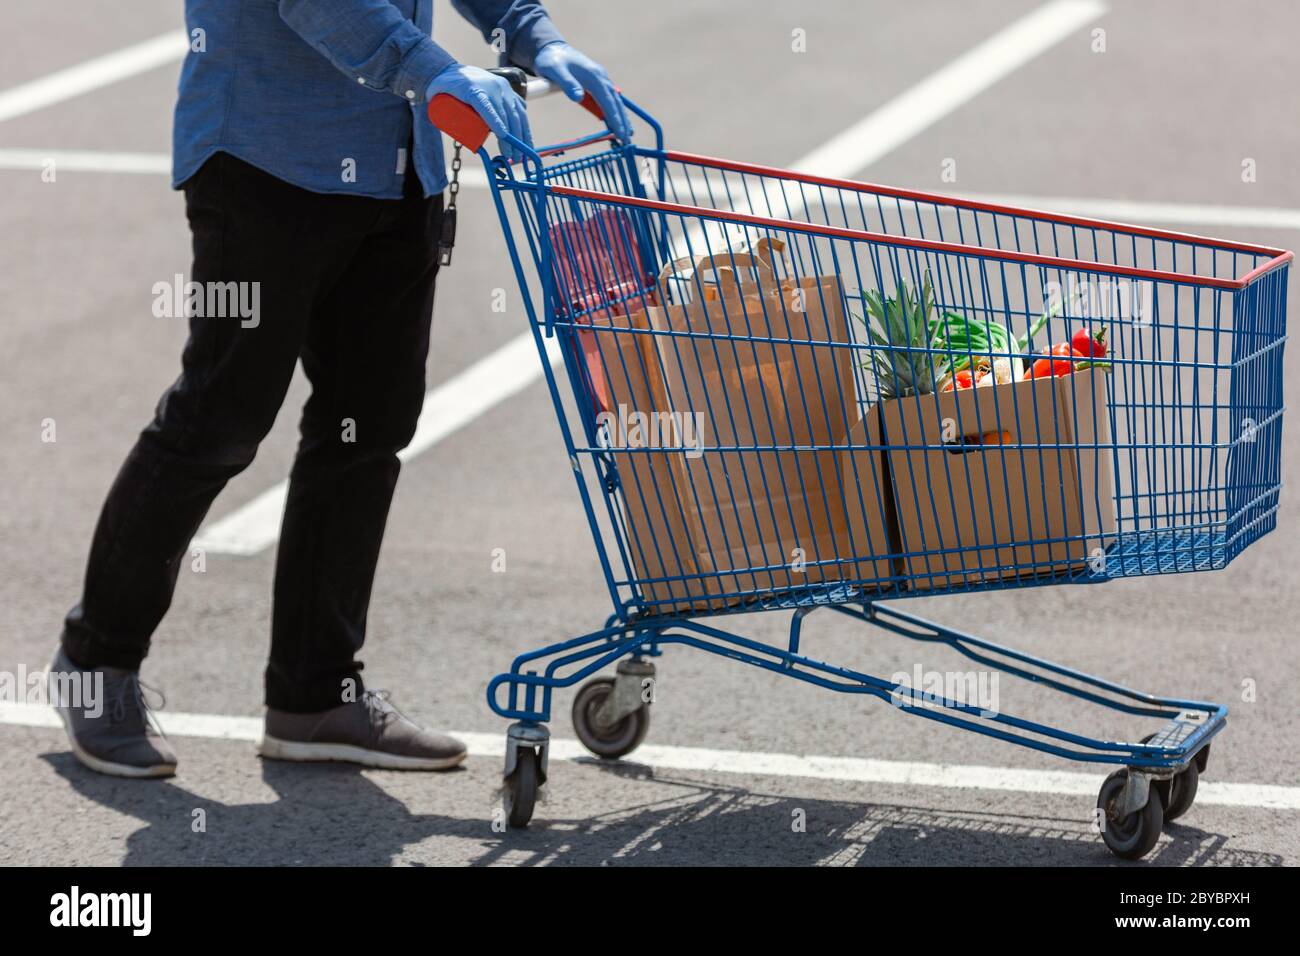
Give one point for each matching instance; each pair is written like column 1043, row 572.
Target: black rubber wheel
column 1182, row 791
column 520, row 794
column 1178, row 792
column 608, row 742
column 1202, row 758
column 1133, row 836
column 1161, row 787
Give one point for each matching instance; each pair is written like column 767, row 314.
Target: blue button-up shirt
column 327, row 94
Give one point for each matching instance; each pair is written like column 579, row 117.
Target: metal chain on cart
column 454, row 186
column 448, row 238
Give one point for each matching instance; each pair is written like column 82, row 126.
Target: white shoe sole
column 100, row 765
column 277, row 749
column 121, row 769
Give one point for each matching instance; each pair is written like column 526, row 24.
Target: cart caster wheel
column 612, row 742
column 1131, row 836
column 1179, row 792
column 520, row 794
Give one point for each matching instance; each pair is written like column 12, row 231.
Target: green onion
column 1022, row 343
column 967, row 339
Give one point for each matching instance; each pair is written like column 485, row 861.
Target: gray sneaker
column 370, row 731
column 110, row 724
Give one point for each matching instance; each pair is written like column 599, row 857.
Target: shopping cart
column 772, row 389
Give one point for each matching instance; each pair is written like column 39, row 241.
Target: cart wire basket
column 783, row 392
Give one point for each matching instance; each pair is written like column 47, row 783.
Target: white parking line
column 86, row 160
column 1132, row 211
column 745, row 763
column 452, row 405
column 91, row 75
column 1141, row 211
column 160, row 164
column 949, row 88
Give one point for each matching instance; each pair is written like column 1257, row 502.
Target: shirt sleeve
column 371, row 41
column 524, row 25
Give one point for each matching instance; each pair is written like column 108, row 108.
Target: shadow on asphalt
column 323, row 815
column 333, row 815
column 732, row 826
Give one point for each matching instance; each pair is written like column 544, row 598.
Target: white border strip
column 91, row 75
column 702, row 760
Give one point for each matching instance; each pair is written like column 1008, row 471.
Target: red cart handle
column 462, row 123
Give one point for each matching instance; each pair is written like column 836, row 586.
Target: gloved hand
column 574, row 71
column 490, row 96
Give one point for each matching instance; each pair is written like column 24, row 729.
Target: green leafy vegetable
column 981, row 343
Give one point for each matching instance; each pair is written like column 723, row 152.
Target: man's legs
column 247, row 227
column 365, row 351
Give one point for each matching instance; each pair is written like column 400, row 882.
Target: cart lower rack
column 782, row 392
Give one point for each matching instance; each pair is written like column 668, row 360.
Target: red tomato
column 1062, row 365
column 1092, row 345
column 960, row 380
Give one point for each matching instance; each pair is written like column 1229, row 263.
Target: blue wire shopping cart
column 782, row 392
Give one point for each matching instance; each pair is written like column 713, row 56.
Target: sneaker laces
column 130, row 701
column 382, row 710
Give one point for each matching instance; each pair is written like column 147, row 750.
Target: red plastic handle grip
column 462, row 123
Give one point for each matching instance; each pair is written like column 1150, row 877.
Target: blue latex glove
column 490, row 96
column 574, row 72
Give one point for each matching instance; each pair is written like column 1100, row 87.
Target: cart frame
column 635, row 633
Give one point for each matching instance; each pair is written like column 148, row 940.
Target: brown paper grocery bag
column 817, row 516
column 984, row 510
column 652, row 484
column 768, row 508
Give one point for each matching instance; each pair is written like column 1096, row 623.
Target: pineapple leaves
column 912, row 353
column 902, row 333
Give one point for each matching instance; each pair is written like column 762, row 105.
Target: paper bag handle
column 720, row 264
column 763, row 249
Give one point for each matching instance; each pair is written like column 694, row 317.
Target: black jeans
column 346, row 284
